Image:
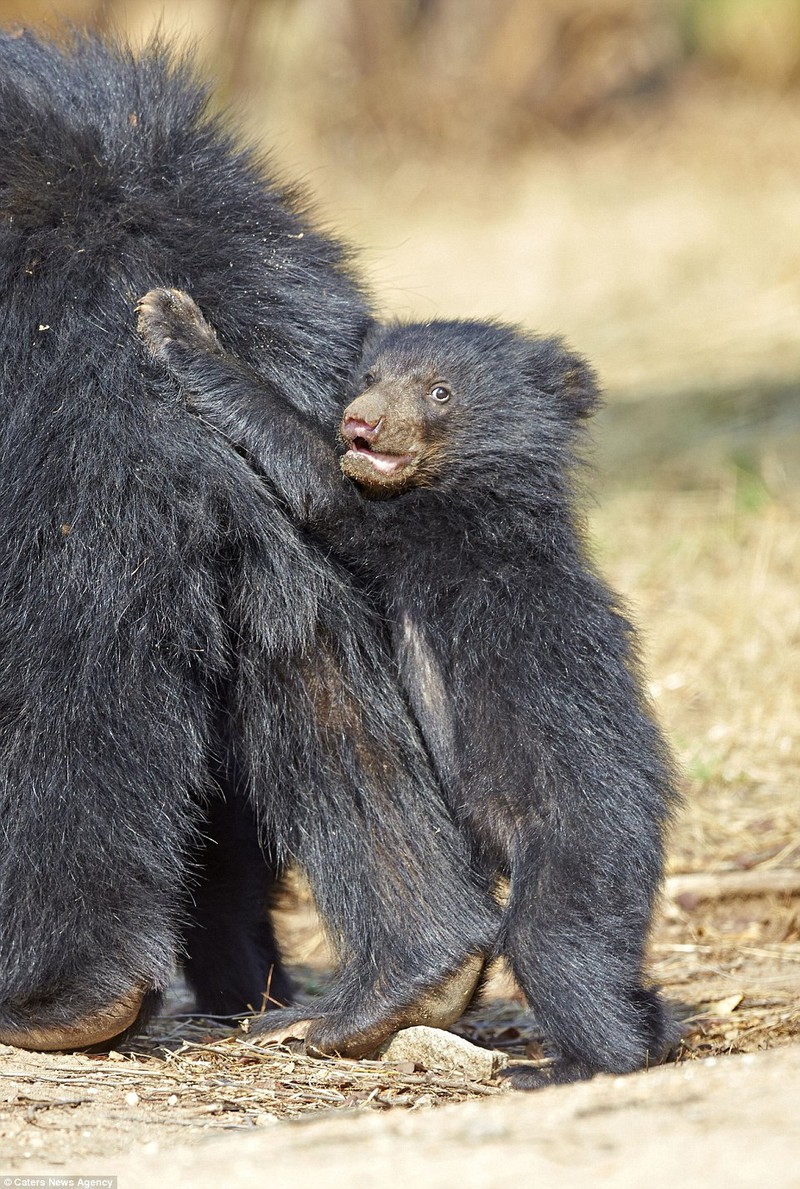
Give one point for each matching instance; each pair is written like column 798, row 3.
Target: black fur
column 177, row 660
column 519, row 664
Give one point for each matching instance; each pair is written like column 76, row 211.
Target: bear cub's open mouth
column 387, row 464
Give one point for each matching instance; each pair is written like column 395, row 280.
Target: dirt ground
column 677, row 269
column 715, row 1123
column 725, row 1111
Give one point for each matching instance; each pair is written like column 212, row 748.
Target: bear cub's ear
column 556, row 368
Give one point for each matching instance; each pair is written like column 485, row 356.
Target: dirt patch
column 727, row 966
column 728, row 1124
column 720, row 1124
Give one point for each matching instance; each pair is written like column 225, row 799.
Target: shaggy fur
column 514, row 654
column 179, row 665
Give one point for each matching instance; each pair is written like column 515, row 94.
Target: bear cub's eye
column 369, row 379
column 440, row 393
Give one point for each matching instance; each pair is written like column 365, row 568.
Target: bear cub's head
column 441, row 401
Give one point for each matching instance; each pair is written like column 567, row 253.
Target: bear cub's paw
column 168, row 319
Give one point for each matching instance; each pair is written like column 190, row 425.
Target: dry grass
column 715, row 574
column 715, row 586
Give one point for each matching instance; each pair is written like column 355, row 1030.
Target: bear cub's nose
column 355, row 427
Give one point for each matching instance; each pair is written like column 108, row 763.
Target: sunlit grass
column 713, row 582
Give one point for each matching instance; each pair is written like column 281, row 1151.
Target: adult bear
column 179, row 665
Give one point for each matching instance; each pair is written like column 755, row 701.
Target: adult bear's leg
column 232, row 960
column 103, row 742
column 97, row 816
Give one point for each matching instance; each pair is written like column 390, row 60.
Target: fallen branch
column 689, row 890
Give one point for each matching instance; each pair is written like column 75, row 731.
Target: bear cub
column 452, row 502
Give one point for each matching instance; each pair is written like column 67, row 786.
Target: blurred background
column 624, row 171
column 627, row 173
